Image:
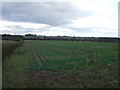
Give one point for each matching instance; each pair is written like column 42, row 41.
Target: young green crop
column 63, row 55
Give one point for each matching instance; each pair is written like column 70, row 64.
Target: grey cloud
column 0, row 11
column 19, row 27
column 51, row 13
column 87, row 28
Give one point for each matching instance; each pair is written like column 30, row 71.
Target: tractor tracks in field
column 39, row 57
column 35, row 56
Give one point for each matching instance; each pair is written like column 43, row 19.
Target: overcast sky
column 98, row 18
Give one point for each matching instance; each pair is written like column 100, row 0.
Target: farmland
column 61, row 64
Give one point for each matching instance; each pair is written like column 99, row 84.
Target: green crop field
column 62, row 64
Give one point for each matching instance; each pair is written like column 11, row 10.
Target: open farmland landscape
column 62, row 64
column 60, row 44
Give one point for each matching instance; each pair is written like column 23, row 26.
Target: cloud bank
column 74, row 18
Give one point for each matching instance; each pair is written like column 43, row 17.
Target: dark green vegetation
column 58, row 64
column 11, row 37
column 8, row 47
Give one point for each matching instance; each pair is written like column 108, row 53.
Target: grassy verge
column 8, row 48
column 15, row 70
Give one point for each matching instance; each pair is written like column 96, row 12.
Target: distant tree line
column 68, row 38
column 11, row 37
